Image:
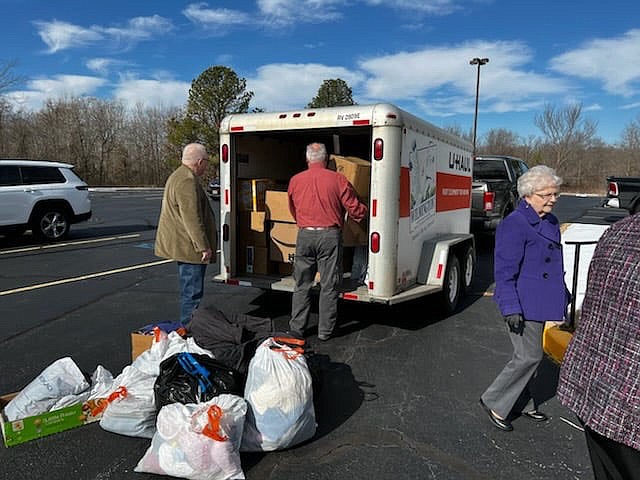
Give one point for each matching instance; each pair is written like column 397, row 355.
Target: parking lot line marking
column 83, row 277
column 66, row 244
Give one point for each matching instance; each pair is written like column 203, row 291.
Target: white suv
column 46, row 197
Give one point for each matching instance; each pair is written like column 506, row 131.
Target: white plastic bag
column 101, row 385
column 198, row 441
column 163, row 346
column 279, row 393
column 61, row 378
column 131, row 406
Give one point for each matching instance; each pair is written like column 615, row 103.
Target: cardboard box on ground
column 48, row 423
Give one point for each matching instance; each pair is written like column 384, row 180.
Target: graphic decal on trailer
column 422, row 174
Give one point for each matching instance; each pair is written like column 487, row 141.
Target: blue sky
column 408, row 52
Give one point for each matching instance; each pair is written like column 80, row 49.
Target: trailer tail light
column 487, row 201
column 225, row 232
column 371, row 285
column 375, row 242
column 350, row 296
column 225, row 153
column 226, row 196
column 613, row 189
column 378, row 149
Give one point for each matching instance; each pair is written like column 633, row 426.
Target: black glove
column 515, row 322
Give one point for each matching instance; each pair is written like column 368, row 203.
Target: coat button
column 551, row 246
column 547, row 260
column 545, row 275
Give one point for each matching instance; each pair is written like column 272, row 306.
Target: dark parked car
column 494, row 190
column 213, row 188
column 624, row 192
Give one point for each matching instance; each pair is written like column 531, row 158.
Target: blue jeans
column 191, row 279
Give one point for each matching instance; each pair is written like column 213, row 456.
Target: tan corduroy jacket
column 187, row 226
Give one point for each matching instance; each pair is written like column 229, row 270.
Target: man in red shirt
column 318, row 200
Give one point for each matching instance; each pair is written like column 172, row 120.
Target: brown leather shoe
column 502, row 424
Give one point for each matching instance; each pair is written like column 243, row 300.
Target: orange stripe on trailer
column 350, row 296
column 361, row 122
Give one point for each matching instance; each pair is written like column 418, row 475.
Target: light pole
column 479, row 62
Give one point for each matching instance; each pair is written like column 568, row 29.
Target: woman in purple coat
column 530, row 290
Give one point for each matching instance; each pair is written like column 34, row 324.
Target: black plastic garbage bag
column 193, row 378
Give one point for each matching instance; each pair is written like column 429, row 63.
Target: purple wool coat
column 600, row 374
column 528, row 266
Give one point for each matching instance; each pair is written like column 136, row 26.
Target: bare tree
column 501, row 141
column 8, row 79
column 566, row 132
column 631, row 145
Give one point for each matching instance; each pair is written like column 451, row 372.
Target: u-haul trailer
column 419, row 241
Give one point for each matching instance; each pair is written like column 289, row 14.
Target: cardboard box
column 356, row 170
column 354, row 234
column 140, row 342
column 282, row 245
column 251, row 193
column 254, row 259
column 252, row 228
column 48, row 423
column 277, row 207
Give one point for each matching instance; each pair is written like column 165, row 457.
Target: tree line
column 114, row 144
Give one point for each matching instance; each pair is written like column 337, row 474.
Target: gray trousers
column 316, row 251
column 513, row 381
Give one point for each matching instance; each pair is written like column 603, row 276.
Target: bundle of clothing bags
column 231, row 385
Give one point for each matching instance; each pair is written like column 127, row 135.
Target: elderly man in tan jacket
column 186, row 229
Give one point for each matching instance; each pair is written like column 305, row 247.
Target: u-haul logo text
column 459, row 162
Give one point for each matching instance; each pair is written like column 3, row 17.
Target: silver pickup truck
column 494, row 189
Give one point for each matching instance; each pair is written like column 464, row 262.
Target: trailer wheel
column 468, row 261
column 452, row 285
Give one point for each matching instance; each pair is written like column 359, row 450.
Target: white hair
column 192, row 153
column 316, row 152
column 537, row 178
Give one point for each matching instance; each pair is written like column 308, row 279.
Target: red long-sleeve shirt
column 319, row 197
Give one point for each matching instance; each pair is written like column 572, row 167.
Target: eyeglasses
column 547, row 196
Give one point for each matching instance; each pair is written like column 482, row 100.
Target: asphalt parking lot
column 400, row 385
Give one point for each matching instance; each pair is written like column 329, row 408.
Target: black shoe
column 502, row 424
column 323, row 338
column 536, row 416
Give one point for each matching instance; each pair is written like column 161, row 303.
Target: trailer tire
column 468, row 261
column 451, row 286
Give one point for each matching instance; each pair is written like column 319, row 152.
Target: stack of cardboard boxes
column 267, row 231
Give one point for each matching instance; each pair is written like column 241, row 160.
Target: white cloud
column 631, row 106
column 152, row 92
column 611, row 61
column 103, row 66
column 435, row 75
column 287, row 86
column 430, row 7
column 200, row 14
column 139, row 28
column 62, row 35
column 40, row 90
column 287, row 12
